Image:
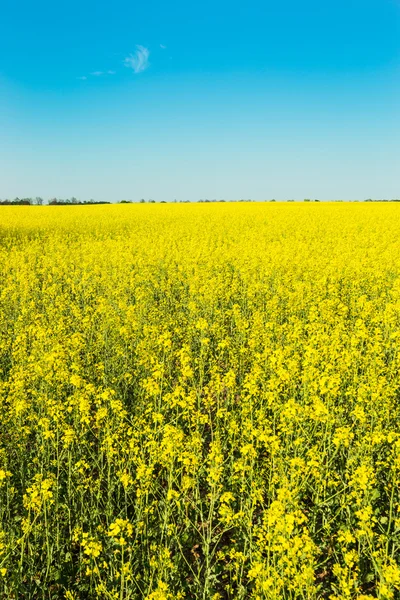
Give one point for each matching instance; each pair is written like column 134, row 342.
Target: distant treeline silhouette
column 18, row 201
column 75, row 202
column 52, row 202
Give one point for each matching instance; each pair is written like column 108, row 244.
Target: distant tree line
column 74, row 201
column 17, row 201
column 52, row 202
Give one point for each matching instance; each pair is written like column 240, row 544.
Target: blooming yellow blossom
column 200, row 401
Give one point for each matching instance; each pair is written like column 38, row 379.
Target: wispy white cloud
column 97, row 74
column 163, row 47
column 139, row 61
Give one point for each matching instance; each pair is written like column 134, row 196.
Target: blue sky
column 216, row 99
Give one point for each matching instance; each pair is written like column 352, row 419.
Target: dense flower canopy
column 200, row 401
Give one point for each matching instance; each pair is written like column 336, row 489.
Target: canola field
column 200, row 402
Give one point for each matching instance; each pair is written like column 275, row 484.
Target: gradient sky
column 215, row 99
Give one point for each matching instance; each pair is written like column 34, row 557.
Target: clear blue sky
column 187, row 100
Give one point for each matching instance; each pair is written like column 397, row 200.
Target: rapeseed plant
column 200, row 402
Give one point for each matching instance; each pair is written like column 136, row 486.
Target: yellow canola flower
column 200, row 401
column 120, row 528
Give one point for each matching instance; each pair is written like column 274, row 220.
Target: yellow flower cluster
column 200, row 401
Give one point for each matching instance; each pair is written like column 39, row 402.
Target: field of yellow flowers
column 200, row 402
